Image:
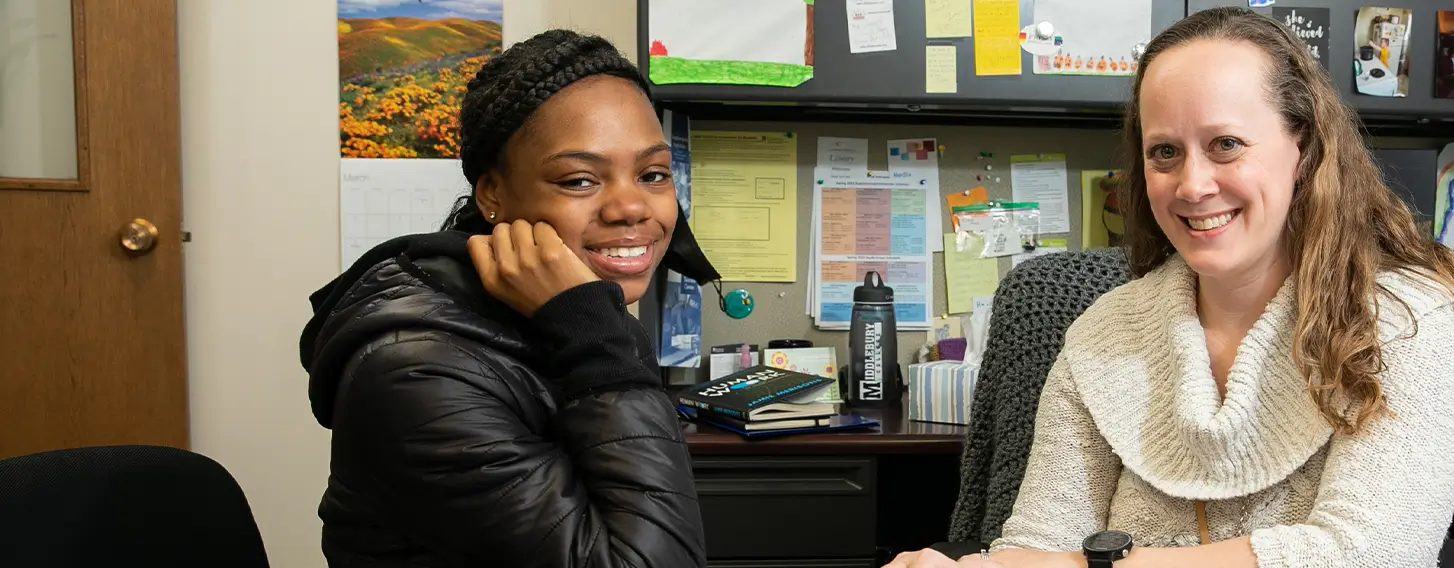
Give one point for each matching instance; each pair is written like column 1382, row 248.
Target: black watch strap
column 1099, row 563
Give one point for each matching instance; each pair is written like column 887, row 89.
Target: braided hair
column 510, row 87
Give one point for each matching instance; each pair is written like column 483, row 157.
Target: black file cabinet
column 830, row 500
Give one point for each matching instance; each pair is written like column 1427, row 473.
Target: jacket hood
column 395, row 285
column 418, row 283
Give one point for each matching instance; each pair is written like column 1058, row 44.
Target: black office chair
column 124, row 506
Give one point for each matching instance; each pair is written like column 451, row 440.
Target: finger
column 522, row 235
column 546, row 237
column 483, row 257
column 503, row 247
column 549, row 245
column 929, row 558
column 903, row 560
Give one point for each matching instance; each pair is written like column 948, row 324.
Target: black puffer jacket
column 467, row 435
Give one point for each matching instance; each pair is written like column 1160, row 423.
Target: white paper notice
column 871, row 26
column 918, row 159
column 842, row 158
column 1097, row 38
column 382, row 199
column 765, row 31
column 1041, row 178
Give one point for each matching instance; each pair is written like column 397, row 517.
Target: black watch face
column 1107, row 541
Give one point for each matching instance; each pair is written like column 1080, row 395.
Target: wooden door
column 91, row 338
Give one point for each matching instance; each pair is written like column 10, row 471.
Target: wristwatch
column 1102, row 549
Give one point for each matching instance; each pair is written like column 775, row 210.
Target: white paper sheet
column 838, row 159
column 1041, row 178
column 873, row 224
column 382, row 199
column 768, row 31
column 1097, row 37
column 870, row 26
column 918, row 158
column 842, row 158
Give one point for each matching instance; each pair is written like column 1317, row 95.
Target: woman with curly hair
column 1272, row 389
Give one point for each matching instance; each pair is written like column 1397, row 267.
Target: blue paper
column 681, row 306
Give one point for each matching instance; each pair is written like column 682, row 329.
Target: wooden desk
column 828, row 500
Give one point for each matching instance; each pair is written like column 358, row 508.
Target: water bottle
column 873, row 375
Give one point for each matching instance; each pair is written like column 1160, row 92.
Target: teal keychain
column 737, row 304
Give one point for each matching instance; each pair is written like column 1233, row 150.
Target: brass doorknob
column 138, row 236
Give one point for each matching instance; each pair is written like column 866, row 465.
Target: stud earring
column 492, row 215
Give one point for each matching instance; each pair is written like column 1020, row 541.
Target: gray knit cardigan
column 1033, row 306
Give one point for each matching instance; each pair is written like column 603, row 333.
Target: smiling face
column 1220, row 164
column 592, row 162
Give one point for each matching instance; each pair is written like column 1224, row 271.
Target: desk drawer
column 770, row 507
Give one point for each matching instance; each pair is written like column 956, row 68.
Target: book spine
column 712, row 408
column 787, row 391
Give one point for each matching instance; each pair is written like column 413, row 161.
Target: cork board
column 780, row 308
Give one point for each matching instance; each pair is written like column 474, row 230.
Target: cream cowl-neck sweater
column 1131, row 433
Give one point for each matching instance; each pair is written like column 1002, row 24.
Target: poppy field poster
column 403, row 66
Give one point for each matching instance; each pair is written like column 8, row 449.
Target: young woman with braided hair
column 492, row 402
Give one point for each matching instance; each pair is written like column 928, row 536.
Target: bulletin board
column 780, row 308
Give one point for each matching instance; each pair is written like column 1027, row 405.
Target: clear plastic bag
column 995, row 228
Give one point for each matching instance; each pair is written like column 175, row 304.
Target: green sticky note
column 966, row 275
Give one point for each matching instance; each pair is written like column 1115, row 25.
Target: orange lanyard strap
column 1202, row 528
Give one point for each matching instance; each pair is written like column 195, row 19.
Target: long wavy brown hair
column 1344, row 225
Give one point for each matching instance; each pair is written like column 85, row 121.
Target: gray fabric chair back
column 1033, row 306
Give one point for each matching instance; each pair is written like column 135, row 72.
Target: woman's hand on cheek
column 526, row 265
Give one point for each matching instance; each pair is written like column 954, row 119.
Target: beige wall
column 259, row 138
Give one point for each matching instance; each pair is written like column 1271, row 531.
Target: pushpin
column 941, row 150
column 997, row 180
column 738, row 304
column 976, row 178
column 1138, row 50
column 1044, row 31
column 988, row 168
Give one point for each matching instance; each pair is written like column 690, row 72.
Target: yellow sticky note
column 997, row 37
column 947, row 18
column 966, row 275
column 941, row 74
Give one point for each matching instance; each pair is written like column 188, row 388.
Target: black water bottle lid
column 873, row 290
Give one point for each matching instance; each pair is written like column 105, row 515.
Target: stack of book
column 762, row 399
